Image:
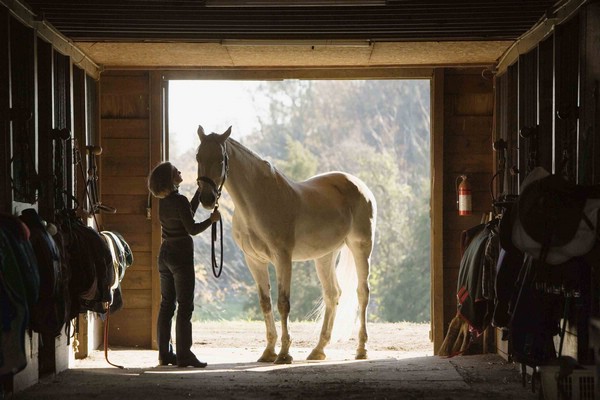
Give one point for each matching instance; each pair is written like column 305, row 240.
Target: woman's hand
column 215, row 216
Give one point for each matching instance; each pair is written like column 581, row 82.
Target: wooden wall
column 5, row 155
column 468, row 116
column 125, row 162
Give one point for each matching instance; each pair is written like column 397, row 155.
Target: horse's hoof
column 284, row 359
column 268, row 356
column 361, row 355
column 316, row 355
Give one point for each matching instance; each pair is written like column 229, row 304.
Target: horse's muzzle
column 208, row 192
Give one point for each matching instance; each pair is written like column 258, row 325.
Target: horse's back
column 341, row 184
column 342, row 192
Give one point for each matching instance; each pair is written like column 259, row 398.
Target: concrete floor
column 232, row 374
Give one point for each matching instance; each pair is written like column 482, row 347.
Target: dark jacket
column 176, row 215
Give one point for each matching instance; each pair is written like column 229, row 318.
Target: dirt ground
column 401, row 365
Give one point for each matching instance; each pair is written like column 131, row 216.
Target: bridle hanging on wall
column 568, row 116
column 25, row 181
column 531, row 134
column 60, row 137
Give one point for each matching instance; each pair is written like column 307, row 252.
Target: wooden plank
column 124, row 185
column 452, row 281
column 472, row 163
column 125, row 85
column 470, row 144
column 93, row 112
column 452, row 260
column 468, row 83
column 46, row 206
column 451, row 245
column 438, row 326
column 124, row 166
column 124, row 106
column 527, row 111
column 469, row 125
column 79, row 129
column 141, row 265
column 127, row 224
column 546, row 104
column 127, row 204
column 5, row 154
column 566, row 84
column 137, row 298
column 470, row 104
column 511, row 111
column 137, row 280
column 139, row 241
column 125, row 148
column 157, row 153
column 124, row 73
column 125, row 128
column 589, row 145
column 498, row 185
column 143, row 260
column 131, row 327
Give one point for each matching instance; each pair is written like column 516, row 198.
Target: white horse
column 277, row 220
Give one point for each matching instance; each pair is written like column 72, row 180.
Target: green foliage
column 376, row 130
column 300, row 163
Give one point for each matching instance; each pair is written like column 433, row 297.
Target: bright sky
column 213, row 104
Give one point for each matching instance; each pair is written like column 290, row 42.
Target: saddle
column 555, row 220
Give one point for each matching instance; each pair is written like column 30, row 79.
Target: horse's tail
column 347, row 310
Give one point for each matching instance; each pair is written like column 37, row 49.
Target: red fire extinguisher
column 464, row 196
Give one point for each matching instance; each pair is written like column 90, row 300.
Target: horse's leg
column 260, row 272
column 283, row 269
column 325, row 267
column 361, row 252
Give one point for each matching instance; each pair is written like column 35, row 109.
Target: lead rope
column 217, row 267
column 106, row 338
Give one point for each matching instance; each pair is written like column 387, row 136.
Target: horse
column 277, row 221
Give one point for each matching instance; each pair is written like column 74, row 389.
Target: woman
column 176, row 264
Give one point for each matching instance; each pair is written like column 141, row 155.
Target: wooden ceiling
column 202, row 33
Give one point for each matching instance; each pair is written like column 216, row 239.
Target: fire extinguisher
column 464, row 196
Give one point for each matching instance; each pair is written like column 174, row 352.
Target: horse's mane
column 239, row 146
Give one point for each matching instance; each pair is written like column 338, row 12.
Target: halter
column 212, row 183
column 217, row 268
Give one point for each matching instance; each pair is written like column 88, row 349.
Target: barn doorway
column 378, row 130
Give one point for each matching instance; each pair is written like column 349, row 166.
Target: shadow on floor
column 381, row 377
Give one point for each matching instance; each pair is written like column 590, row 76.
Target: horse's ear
column 225, row 134
column 201, row 133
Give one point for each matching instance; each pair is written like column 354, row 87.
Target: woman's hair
column 160, row 180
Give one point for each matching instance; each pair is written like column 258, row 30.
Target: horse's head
column 212, row 166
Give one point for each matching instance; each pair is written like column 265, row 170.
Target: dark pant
column 177, row 280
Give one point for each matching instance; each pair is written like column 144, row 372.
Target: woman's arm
column 187, row 218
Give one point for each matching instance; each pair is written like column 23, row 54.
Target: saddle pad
column 552, row 216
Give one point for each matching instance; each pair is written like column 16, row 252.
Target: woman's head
column 163, row 179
